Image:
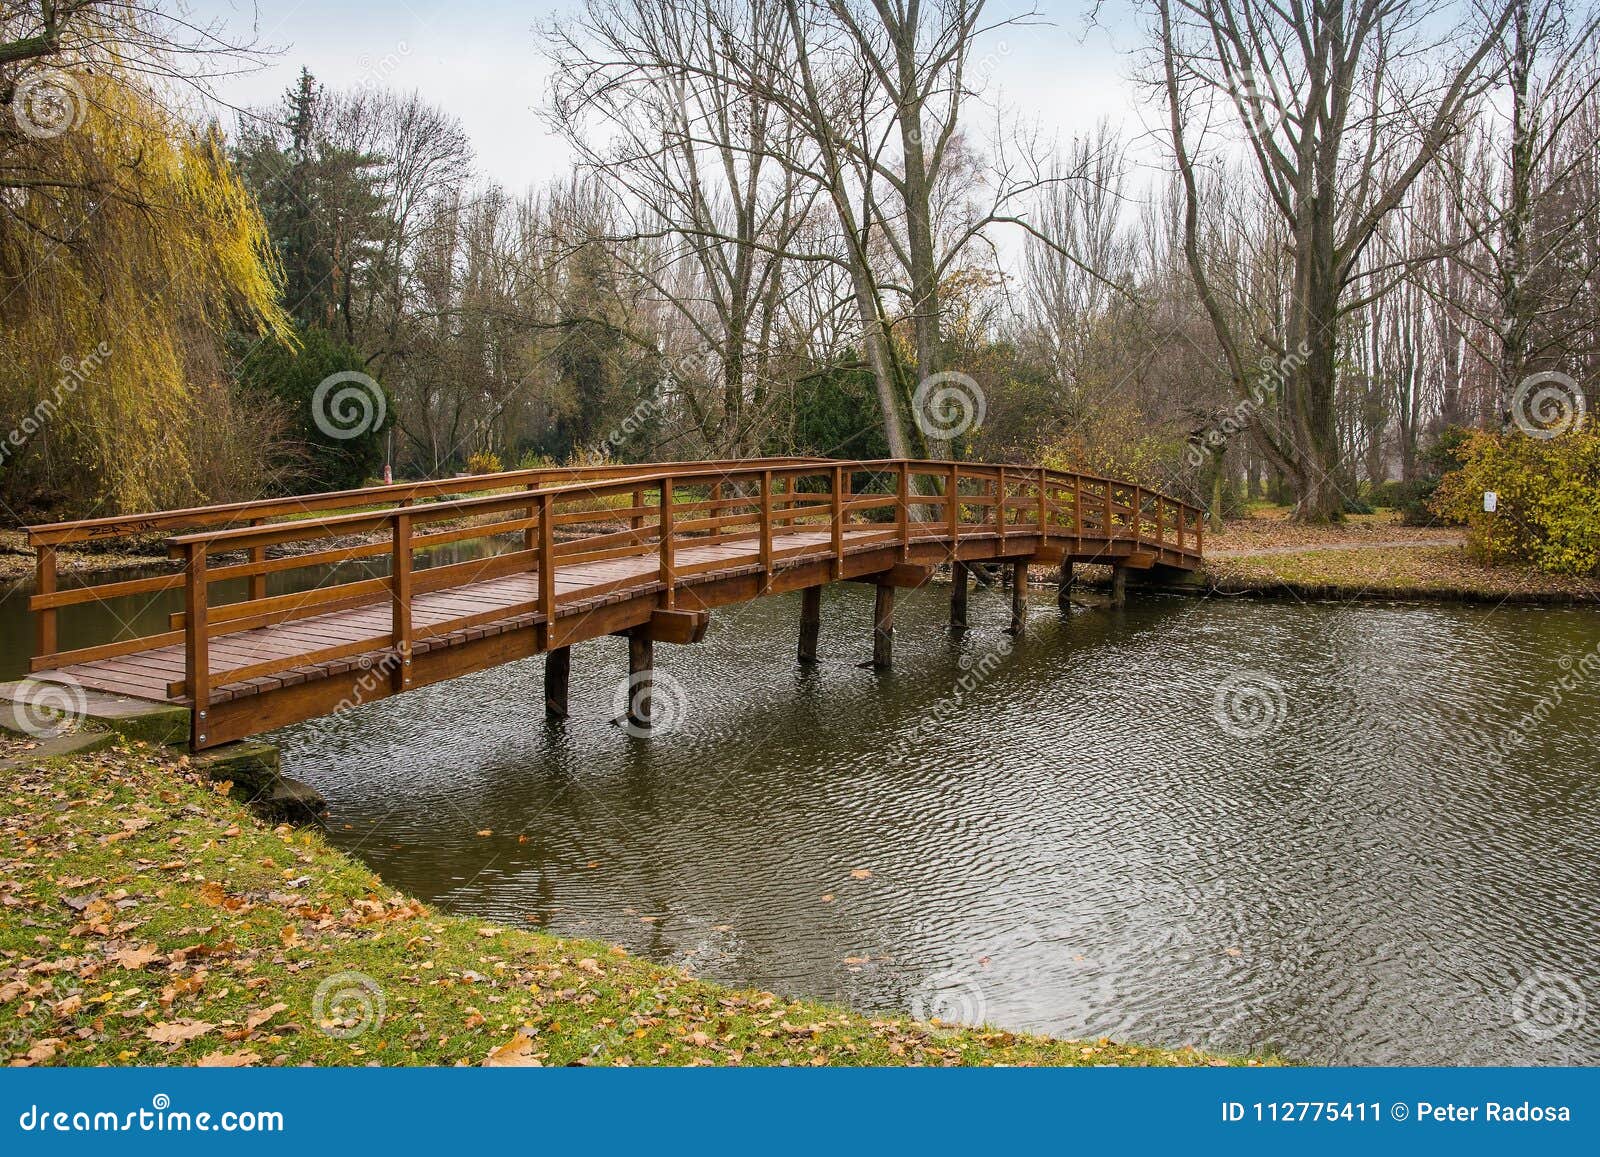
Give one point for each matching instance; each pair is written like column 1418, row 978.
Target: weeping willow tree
column 130, row 254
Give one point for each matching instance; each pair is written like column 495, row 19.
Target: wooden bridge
column 646, row 551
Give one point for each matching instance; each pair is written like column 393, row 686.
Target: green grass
column 1440, row 572
column 150, row 919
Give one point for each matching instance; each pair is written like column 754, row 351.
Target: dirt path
column 1317, row 547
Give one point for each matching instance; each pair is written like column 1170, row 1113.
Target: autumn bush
column 1548, row 512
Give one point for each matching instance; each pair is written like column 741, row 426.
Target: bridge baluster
column 400, row 598
column 196, row 641
column 669, row 576
column 547, row 567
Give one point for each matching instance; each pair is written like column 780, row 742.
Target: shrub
column 1549, row 499
column 484, row 462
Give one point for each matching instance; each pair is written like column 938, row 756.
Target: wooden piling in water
column 1064, row 585
column 810, row 623
column 1019, row 597
column 883, row 628
column 641, row 679
column 557, row 676
column 958, row 594
column 1119, row 586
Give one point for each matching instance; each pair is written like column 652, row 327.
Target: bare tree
column 1340, row 107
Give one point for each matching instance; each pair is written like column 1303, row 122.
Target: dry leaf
column 516, row 1053
column 861, row 874
column 134, row 959
column 222, row 1060
column 256, row 1019
column 178, row 1031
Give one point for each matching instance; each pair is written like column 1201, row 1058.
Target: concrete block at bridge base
column 1169, row 578
column 140, row 719
column 63, row 744
column 255, row 770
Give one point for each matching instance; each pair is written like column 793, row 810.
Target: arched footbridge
column 561, row 556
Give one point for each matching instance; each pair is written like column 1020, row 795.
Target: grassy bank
column 1375, row 557
column 149, row 919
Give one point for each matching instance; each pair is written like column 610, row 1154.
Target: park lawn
column 150, row 919
column 1435, row 572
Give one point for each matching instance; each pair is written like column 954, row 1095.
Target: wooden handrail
column 123, row 525
column 696, row 504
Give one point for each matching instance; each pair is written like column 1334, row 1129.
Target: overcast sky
column 480, row 60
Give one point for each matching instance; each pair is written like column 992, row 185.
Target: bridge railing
column 50, row 598
column 662, row 517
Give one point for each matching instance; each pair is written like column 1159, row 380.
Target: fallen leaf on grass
column 515, row 1053
column 222, row 1060
column 178, row 1031
column 256, row 1019
column 135, row 959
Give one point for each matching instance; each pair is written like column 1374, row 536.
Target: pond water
column 1346, row 834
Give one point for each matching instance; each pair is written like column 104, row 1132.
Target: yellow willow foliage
column 129, row 250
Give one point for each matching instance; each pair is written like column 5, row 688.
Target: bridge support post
column 1019, row 598
column 810, row 624
column 641, row 679
column 883, row 628
column 1119, row 586
column 958, row 594
column 557, row 675
column 1064, row 585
